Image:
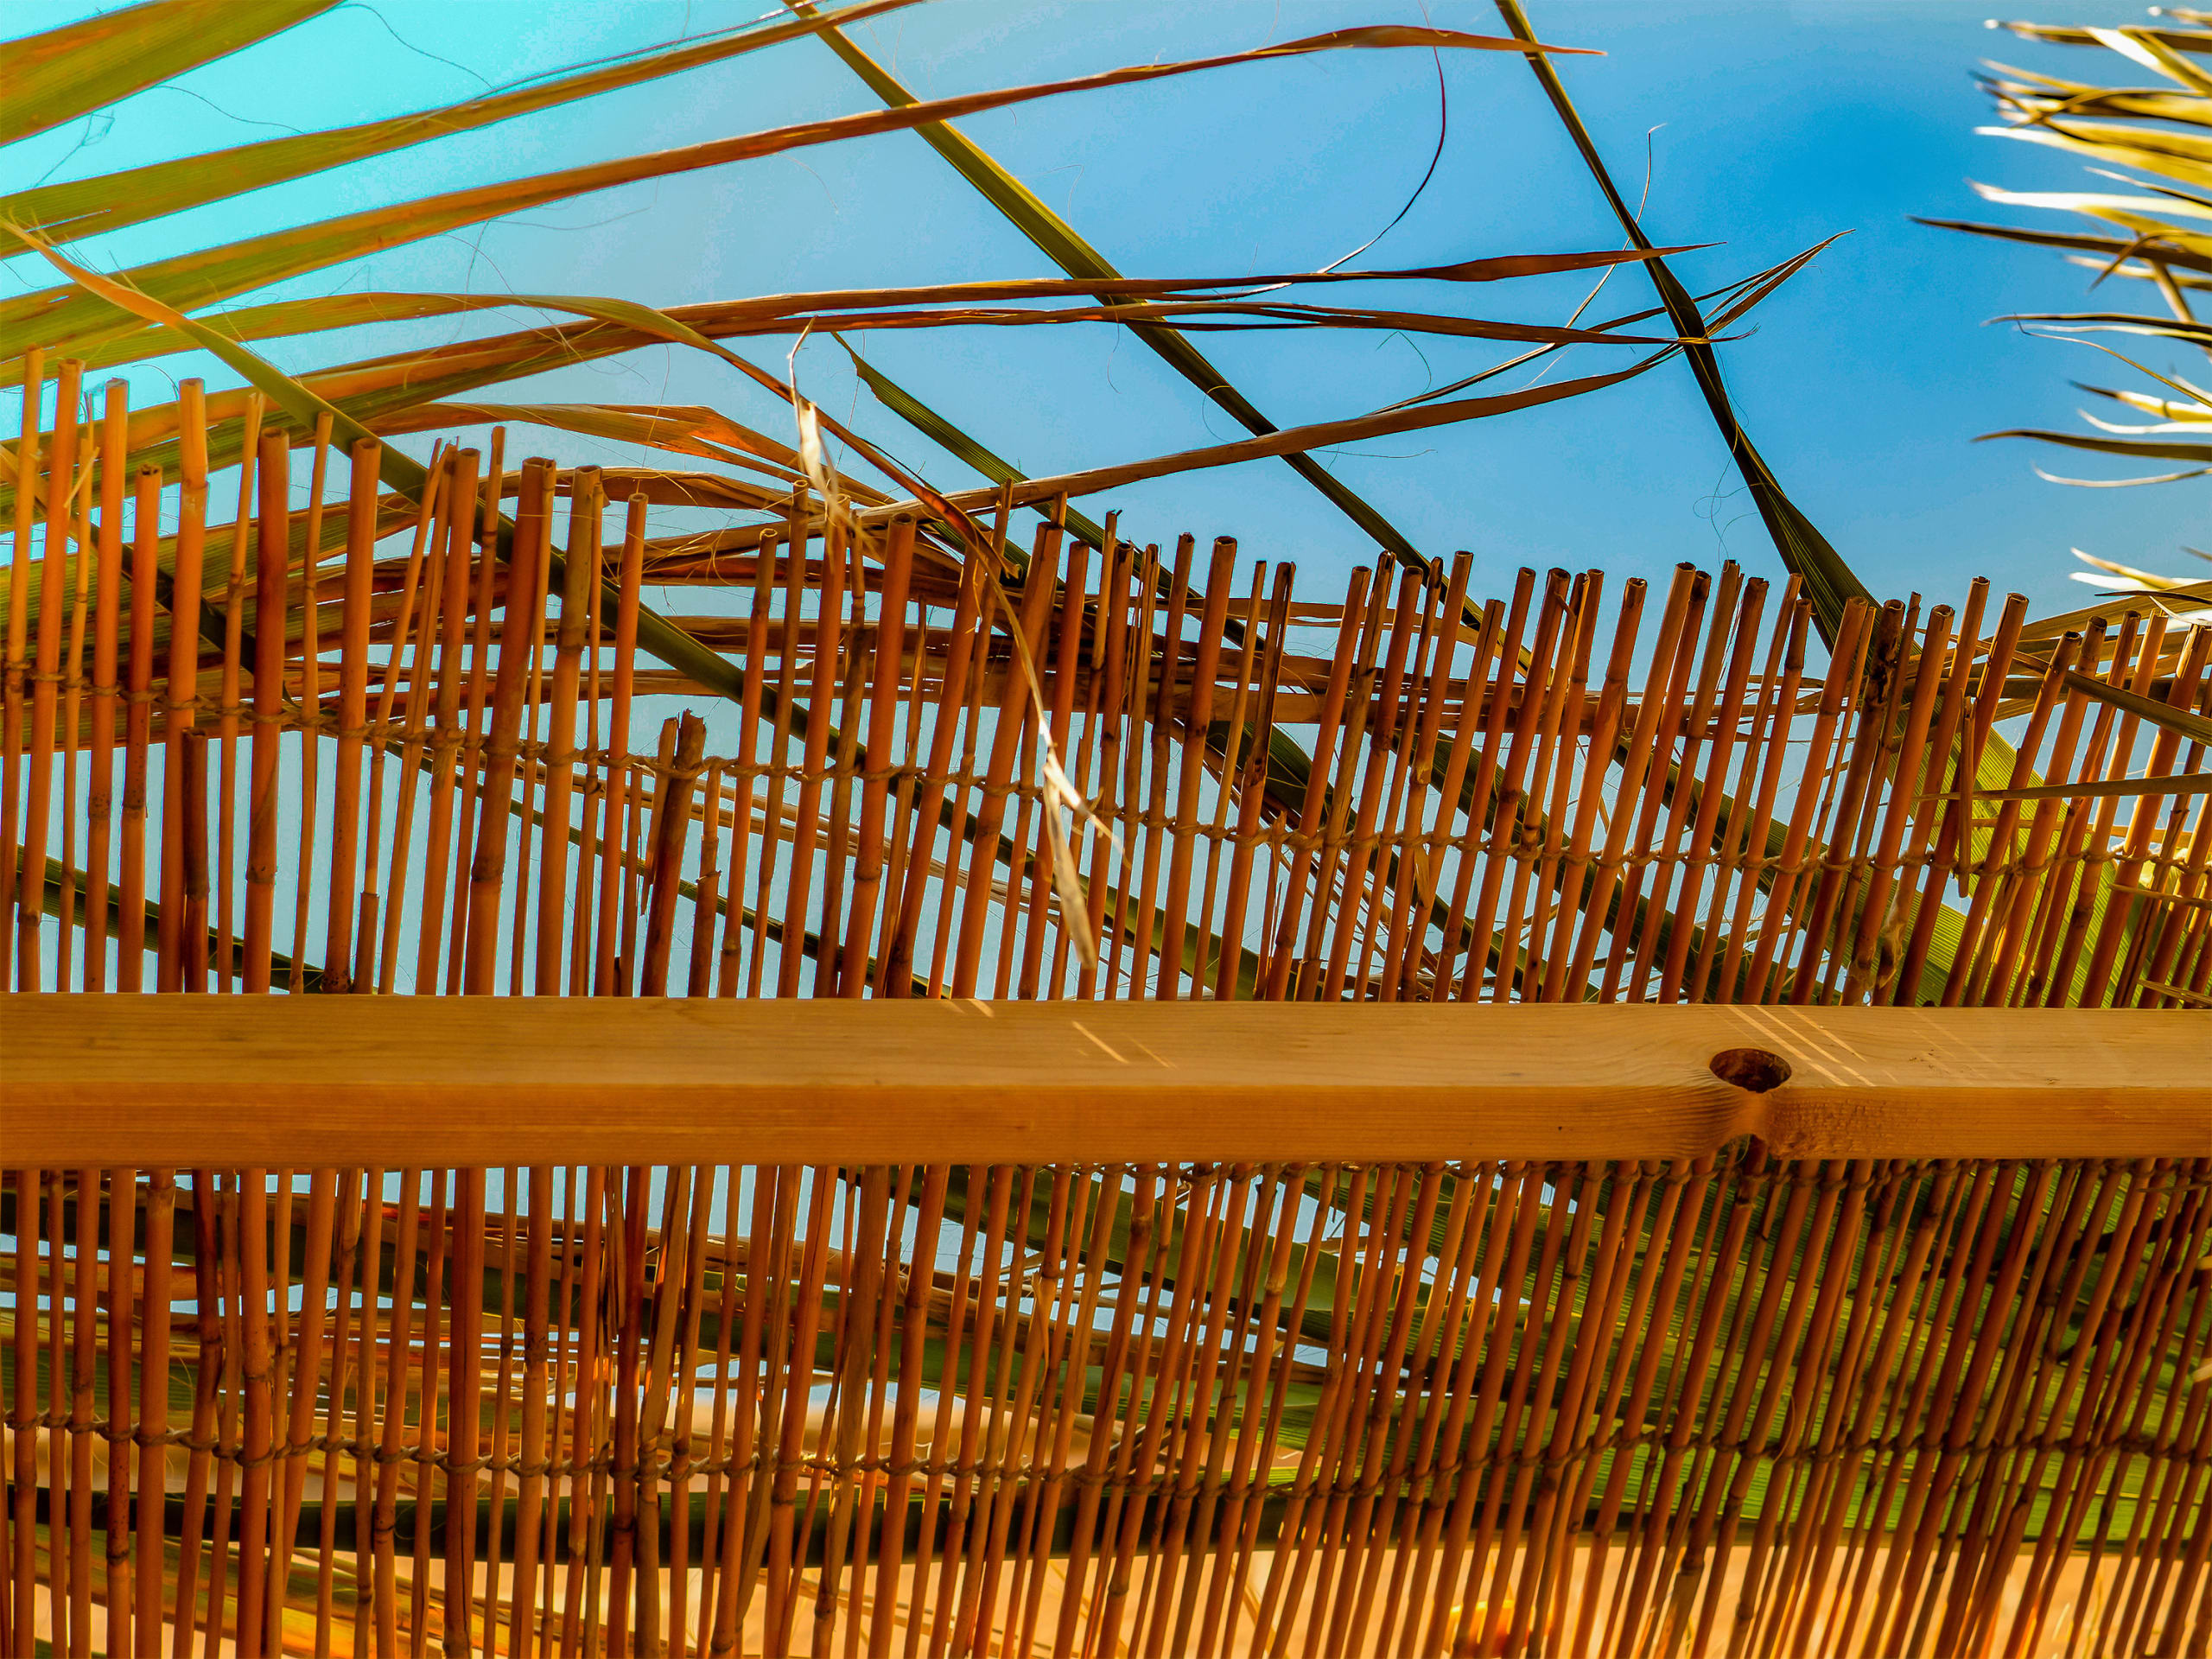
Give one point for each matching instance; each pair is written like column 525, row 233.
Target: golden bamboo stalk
column 459, row 587
column 310, row 697
column 46, row 674
column 19, row 587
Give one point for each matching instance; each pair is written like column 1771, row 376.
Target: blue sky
column 1770, row 125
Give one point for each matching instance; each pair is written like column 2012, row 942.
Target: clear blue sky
column 1776, row 124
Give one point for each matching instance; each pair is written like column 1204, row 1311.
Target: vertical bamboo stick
column 228, row 705
column 122, row 1315
column 822, row 698
column 672, row 825
column 589, row 1389
column 576, row 578
column 1250, row 787
column 1060, row 827
column 73, row 700
column 1374, row 727
column 1085, row 742
column 1382, row 930
column 272, row 607
column 352, row 713
column 343, row 1370
column 1233, row 763
column 521, row 958
column 259, row 1436
column 734, row 1574
column 744, row 777
column 487, row 869
column 1164, row 716
column 23, row 1425
column 1477, row 797
column 722, row 1476
column 1122, row 753
column 613, row 867
column 107, row 588
column 45, row 679
column 184, row 1614
column 623, row 1474
column 1197, row 723
column 1687, row 722
column 706, row 891
column 484, row 537
column 398, row 1337
column 130, row 928
column 531, row 1447
column 890, row 660
column 306, row 1379
column 459, row 589
column 963, row 779
column 913, row 1320
column 588, row 521
column 181, row 710
column 19, row 592
column 153, row 1408
column 192, row 799
column 421, row 688
column 855, row 648
column 465, row 1408
column 778, row 758
column 440, row 1301
column 75, row 1487
column 675, row 1389
column 1110, row 670
column 498, row 1402
column 1722, row 728
column 310, row 702
column 367, row 969
column 367, row 1451
column 646, row 781
column 1017, row 886
column 61, row 1553
column 674, row 1292
column 1403, row 874
column 1311, row 809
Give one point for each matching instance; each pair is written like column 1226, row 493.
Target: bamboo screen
column 1715, row 1407
column 346, row 743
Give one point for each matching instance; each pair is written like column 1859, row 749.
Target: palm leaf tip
column 2157, row 140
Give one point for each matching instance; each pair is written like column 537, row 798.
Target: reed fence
column 350, row 743
column 1726, row 1404
column 1406, row 795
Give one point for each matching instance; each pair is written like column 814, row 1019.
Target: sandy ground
column 2076, row 1612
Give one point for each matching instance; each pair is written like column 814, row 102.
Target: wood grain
column 304, row 1081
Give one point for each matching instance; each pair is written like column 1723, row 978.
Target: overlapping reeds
column 1730, row 1405
column 379, row 730
column 1373, row 797
column 1209, row 1405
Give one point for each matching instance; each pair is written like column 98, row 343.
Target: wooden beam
column 299, row 1082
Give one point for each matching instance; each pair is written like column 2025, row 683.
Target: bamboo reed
column 1731, row 1404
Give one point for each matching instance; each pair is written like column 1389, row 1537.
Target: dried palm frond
column 2156, row 140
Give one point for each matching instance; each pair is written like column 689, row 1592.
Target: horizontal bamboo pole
column 301, row 1083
